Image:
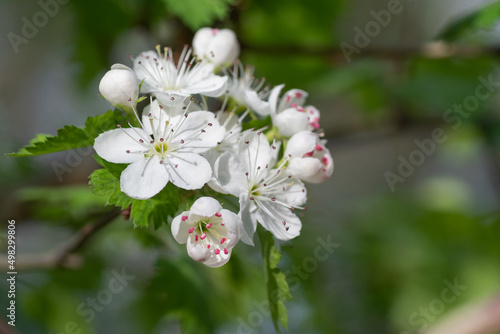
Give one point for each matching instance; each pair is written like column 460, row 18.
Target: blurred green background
column 408, row 92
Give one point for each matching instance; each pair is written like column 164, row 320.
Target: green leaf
column 68, row 138
column 71, row 137
column 277, row 286
column 156, row 210
column 483, row 19
column 198, row 13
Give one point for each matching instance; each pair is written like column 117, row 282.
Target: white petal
column 254, row 102
column 144, row 178
column 113, row 145
column 304, row 168
column 171, row 98
column 255, row 154
column 200, row 131
column 230, row 175
column 290, row 121
column 301, row 143
column 205, row 206
column 293, row 96
column 234, row 226
column 272, row 216
column 216, row 261
column 273, row 98
column 212, row 86
column 180, row 230
column 197, row 252
column 248, row 218
column 192, row 171
column 295, row 195
column 324, row 173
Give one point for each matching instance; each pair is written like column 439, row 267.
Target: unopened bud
column 221, row 47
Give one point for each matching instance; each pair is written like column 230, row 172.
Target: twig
column 62, row 255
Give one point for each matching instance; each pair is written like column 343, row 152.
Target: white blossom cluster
column 183, row 142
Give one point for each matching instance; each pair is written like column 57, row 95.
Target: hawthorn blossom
column 165, row 149
column 209, row 231
column 120, row 87
column 218, row 46
column 267, row 195
column 308, row 158
column 171, row 84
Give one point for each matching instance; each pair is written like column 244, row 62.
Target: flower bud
column 120, row 87
column 310, row 160
column 291, row 121
column 221, row 47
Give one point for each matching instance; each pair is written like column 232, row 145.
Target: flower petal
column 212, row 86
column 113, row 145
column 249, row 220
column 301, row 143
column 229, row 174
column 197, row 252
column 205, row 206
column 188, row 170
column 290, row 121
column 180, row 230
column 233, row 224
column 304, row 168
column 279, row 220
column 144, row 178
column 200, row 131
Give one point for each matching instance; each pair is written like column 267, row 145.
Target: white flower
column 309, row 159
column 120, row 87
column 267, row 195
column 171, row 84
column 166, row 148
column 219, row 46
column 209, row 231
column 245, row 89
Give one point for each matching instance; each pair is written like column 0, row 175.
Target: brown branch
column 64, row 254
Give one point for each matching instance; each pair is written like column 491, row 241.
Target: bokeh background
column 416, row 243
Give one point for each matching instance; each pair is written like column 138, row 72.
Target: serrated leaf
column 156, row 210
column 104, row 183
column 198, row 13
column 484, row 18
column 277, row 287
column 72, row 137
column 68, row 138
